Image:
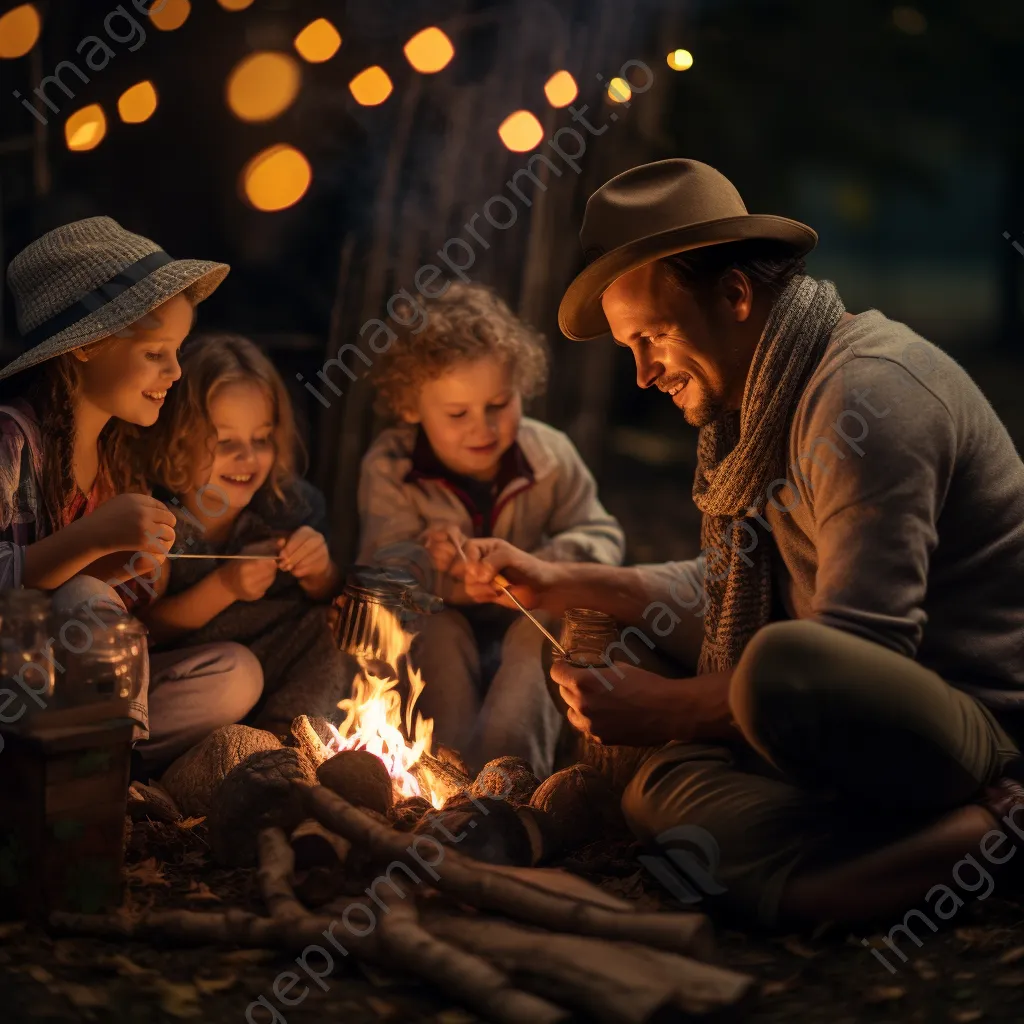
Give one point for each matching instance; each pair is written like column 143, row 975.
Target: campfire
column 373, row 714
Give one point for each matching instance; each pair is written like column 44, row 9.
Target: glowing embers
column 85, row 128
column 19, row 31
column 276, row 178
column 371, row 87
column 170, row 15
column 263, row 85
column 318, row 41
column 521, row 131
column 680, row 60
column 138, row 103
column 429, row 51
column 561, row 89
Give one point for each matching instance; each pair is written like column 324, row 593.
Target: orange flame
column 373, row 714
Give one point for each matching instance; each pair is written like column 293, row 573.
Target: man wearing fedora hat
column 851, row 632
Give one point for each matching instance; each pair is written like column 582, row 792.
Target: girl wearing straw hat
column 102, row 313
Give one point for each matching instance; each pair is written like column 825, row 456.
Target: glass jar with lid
column 26, row 657
column 108, row 662
column 586, row 635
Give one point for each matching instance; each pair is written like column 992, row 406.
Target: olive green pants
column 850, row 746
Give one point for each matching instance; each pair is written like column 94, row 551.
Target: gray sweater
column 901, row 518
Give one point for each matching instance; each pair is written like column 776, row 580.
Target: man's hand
column 250, row 580
column 530, row 578
column 622, row 704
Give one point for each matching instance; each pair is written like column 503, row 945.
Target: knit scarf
column 740, row 454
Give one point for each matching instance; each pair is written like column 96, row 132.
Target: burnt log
column 574, row 807
column 360, row 777
column 194, row 778
column 256, row 795
column 506, row 778
column 487, row 830
column 447, row 777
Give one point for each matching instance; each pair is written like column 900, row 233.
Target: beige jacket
column 550, row 508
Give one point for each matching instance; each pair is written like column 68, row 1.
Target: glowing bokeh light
column 561, row 89
column 910, row 20
column 276, row 178
column 619, row 90
column 680, row 60
column 429, row 51
column 19, row 31
column 235, row 5
column 263, row 85
column 318, row 41
column 85, row 128
column 371, row 86
column 137, row 104
column 170, row 15
column 521, row 131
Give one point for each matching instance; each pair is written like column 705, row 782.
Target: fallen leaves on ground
column 211, row 986
column 884, row 993
column 925, row 971
column 201, row 891
column 1011, row 956
column 1011, row 980
column 177, row 999
column 85, row 997
column 247, row 956
column 190, row 823
column 11, row 929
column 777, row 988
column 146, row 872
column 380, row 1007
column 792, row 944
column 966, row 1016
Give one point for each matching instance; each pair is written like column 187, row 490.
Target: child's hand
column 249, row 581
column 134, row 522
column 444, row 554
column 305, row 554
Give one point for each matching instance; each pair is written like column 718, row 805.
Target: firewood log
column 151, row 801
column 311, row 736
column 194, row 778
column 614, row 982
column 474, row 884
column 316, row 846
column 360, row 777
column 257, row 795
column 445, row 776
column 506, row 778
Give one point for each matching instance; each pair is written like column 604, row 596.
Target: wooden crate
column 62, row 809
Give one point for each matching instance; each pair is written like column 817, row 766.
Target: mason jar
column 109, row 663
column 586, row 635
column 26, row 657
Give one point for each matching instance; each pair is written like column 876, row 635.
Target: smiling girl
column 102, row 313
column 464, row 461
column 223, row 456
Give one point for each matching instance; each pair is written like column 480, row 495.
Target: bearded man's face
column 695, row 351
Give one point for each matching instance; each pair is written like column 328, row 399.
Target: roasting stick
column 503, row 584
column 262, row 558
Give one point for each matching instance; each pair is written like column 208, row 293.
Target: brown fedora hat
column 653, row 211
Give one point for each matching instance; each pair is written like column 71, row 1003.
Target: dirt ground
column 971, row 970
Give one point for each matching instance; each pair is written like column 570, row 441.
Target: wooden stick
column 251, row 558
column 472, row 883
column 615, row 982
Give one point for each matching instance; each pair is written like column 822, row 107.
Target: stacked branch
column 515, row 945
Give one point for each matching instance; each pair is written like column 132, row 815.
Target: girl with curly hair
column 102, row 313
column 463, row 461
column 223, row 455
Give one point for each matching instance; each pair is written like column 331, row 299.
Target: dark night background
column 893, row 130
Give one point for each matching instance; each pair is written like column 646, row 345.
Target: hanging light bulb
column 521, row 131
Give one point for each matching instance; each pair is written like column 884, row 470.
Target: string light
column 680, row 60
column 171, row 14
column 235, row 5
column 429, row 51
column 276, row 178
column 318, row 41
column 263, row 85
column 521, row 131
column 137, row 104
column 561, row 89
column 619, row 90
column 19, row 31
column 371, row 87
column 85, row 128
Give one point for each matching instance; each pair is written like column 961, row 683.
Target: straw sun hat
column 653, row 211
column 90, row 279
